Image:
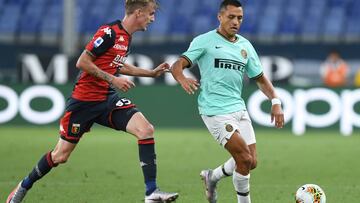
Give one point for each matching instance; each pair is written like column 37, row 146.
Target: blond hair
column 132, row 5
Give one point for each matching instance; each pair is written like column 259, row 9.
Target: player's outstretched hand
column 277, row 115
column 122, row 83
column 189, row 85
column 161, row 69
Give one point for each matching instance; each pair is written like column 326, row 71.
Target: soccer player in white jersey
column 223, row 56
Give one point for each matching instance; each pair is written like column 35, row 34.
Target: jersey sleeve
column 195, row 51
column 102, row 41
column 253, row 67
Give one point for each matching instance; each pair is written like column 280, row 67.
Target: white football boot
column 159, row 196
column 210, row 186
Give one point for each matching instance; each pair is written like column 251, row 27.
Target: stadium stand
column 328, row 20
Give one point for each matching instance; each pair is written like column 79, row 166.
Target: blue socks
column 41, row 169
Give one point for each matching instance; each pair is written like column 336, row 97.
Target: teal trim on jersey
column 222, row 66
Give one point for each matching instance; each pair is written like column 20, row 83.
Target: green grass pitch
column 105, row 166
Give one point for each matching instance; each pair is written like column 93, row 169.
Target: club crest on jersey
column 75, row 128
column 229, row 127
column 98, row 42
column 244, row 53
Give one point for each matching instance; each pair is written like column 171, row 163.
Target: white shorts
column 222, row 127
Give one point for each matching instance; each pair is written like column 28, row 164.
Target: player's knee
column 60, row 158
column 244, row 161
column 253, row 164
column 146, row 132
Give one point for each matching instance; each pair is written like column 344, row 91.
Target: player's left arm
column 128, row 69
column 268, row 89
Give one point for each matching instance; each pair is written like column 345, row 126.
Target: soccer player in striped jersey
column 94, row 100
column 223, row 57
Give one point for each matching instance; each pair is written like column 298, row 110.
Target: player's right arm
column 188, row 84
column 86, row 63
column 102, row 41
column 194, row 52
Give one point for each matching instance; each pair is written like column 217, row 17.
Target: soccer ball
column 310, row 193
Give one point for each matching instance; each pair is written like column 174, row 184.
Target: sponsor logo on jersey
column 120, row 47
column 98, row 42
column 121, row 39
column 229, row 64
column 75, row 128
column 118, row 61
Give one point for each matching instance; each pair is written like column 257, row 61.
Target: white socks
column 224, row 170
column 242, row 187
column 241, row 183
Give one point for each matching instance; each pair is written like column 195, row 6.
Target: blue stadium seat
column 35, row 13
column 52, row 21
column 160, row 27
column 201, row 24
column 211, row 7
column 334, row 23
column 188, row 17
column 353, row 9
column 185, row 8
column 2, row 3
column 352, row 28
column 38, row 2
column 269, row 24
column 255, row 4
column 167, row 5
column 116, row 11
column 95, row 18
column 338, row 3
column 17, row 2
column 289, row 26
column 249, row 24
column 179, row 25
column 292, row 18
column 311, row 27
column 10, row 18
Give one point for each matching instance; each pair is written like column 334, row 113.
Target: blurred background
column 309, row 49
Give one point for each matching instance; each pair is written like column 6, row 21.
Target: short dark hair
column 226, row 3
column 132, row 5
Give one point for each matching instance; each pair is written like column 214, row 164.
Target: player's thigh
column 240, row 151
column 117, row 118
column 129, row 120
column 237, row 146
column 118, row 113
column 78, row 120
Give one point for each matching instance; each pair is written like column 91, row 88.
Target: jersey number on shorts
column 123, row 102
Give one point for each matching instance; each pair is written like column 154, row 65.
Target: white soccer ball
column 310, row 193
